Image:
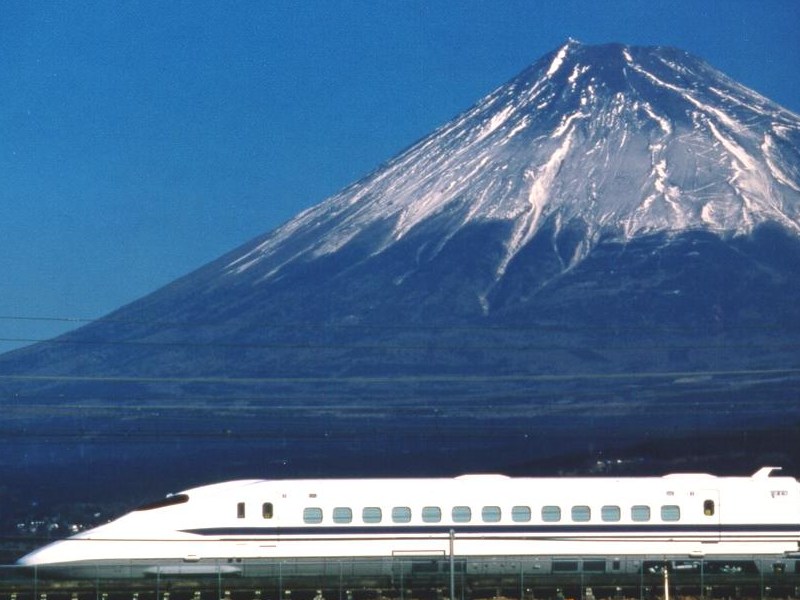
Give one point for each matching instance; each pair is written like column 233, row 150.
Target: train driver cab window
column 267, row 510
column 170, row 500
column 708, row 508
column 240, row 510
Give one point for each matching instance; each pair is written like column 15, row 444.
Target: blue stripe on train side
column 493, row 529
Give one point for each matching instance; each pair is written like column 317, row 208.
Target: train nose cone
column 46, row 555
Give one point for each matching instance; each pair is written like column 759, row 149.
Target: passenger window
column 670, row 512
column 581, row 513
column 610, row 514
column 371, row 514
column 462, row 514
column 490, row 514
column 521, row 514
column 431, row 514
column 640, row 513
column 266, row 510
column 708, row 508
column 401, row 514
column 551, row 514
column 240, row 510
column 342, row 514
column 312, row 515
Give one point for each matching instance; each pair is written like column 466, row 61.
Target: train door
column 270, row 522
column 707, row 504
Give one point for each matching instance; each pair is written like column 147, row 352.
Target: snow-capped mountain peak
column 620, row 141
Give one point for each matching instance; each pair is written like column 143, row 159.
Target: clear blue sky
column 139, row 140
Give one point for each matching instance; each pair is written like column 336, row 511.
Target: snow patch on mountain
column 561, row 54
column 526, row 225
column 626, row 141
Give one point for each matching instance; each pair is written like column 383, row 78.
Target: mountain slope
column 625, row 141
column 616, row 231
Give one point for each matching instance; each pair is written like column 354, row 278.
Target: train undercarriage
column 647, row 577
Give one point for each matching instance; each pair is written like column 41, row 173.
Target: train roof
column 482, row 479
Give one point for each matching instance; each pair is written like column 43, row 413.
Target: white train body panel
column 243, row 522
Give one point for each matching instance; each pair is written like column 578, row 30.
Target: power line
column 350, row 399
column 537, row 408
column 397, row 379
column 298, row 325
column 312, row 346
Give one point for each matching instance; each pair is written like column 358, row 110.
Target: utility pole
column 453, row 566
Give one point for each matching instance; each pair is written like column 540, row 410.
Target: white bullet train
column 248, row 527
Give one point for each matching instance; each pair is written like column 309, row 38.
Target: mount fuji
column 609, row 142
column 605, row 249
